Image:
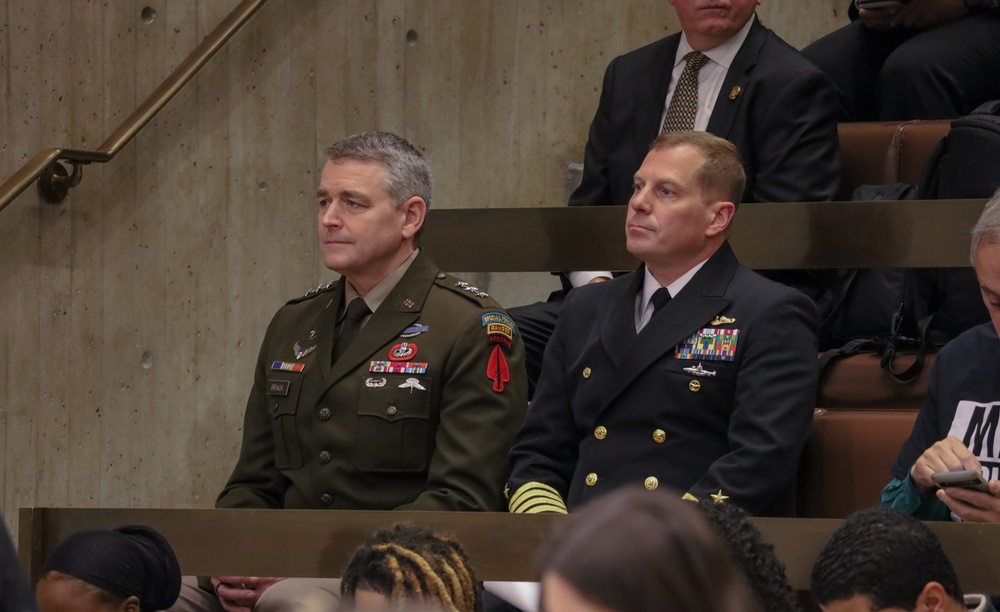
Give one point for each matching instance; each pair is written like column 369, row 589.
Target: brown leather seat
column 848, row 459
column 859, row 382
column 881, row 152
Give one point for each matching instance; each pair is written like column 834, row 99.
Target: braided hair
column 413, row 564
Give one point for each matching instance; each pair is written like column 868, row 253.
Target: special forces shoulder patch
column 500, row 330
column 709, row 344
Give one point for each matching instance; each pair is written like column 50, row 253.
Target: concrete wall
column 130, row 315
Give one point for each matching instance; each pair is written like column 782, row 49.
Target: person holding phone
column 958, row 428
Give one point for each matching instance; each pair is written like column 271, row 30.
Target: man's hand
column 240, row 593
column 915, row 14
column 948, row 455
column 973, row 506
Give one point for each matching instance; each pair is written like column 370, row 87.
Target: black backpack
column 966, row 163
column 888, row 310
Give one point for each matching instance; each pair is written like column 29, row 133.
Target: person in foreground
column 636, row 551
column 754, row 556
column 693, row 372
column 128, row 569
column 880, row 559
column 958, row 427
column 407, row 567
column 396, row 387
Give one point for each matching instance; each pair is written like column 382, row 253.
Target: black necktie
column 357, row 310
column 660, row 298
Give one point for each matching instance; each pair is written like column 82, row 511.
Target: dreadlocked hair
column 413, row 564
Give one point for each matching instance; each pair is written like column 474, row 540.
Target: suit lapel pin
column 735, row 91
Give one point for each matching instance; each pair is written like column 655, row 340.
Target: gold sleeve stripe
column 534, row 496
column 542, row 509
column 689, row 497
column 532, row 489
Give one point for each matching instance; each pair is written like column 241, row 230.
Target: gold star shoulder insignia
column 721, row 320
column 719, row 497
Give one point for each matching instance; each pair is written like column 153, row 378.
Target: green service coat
column 365, row 433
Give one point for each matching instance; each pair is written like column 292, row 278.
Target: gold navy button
column 591, row 479
column 601, row 432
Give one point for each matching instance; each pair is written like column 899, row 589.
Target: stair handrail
column 55, row 181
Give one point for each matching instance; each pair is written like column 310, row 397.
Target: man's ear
column 131, row 605
column 722, row 216
column 932, row 598
column 414, row 211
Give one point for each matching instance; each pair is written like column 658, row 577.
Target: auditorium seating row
column 863, row 415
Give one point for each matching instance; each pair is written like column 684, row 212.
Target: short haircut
column 884, row 555
column 722, row 177
column 755, row 556
column 413, row 565
column 987, row 229
column 407, row 173
column 634, row 550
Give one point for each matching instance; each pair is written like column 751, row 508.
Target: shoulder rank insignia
column 476, row 291
column 318, row 288
column 721, row 320
column 709, row 344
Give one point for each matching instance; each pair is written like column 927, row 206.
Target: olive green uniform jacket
column 418, row 413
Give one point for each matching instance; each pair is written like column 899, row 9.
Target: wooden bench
column 312, row 543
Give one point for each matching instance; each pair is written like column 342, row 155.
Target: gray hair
column 407, row 172
column 987, row 229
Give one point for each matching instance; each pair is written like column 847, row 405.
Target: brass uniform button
column 651, row 483
column 695, row 386
column 586, row 372
column 659, row 436
column 601, row 432
column 324, row 414
column 591, row 479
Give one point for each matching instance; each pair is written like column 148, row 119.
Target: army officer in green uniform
column 395, row 387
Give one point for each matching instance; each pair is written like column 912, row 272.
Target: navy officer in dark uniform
column 693, row 372
column 397, row 386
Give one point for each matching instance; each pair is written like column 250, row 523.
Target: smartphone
column 966, row 479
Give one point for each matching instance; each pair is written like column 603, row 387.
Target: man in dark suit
column 754, row 90
column 397, row 386
column 693, row 372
